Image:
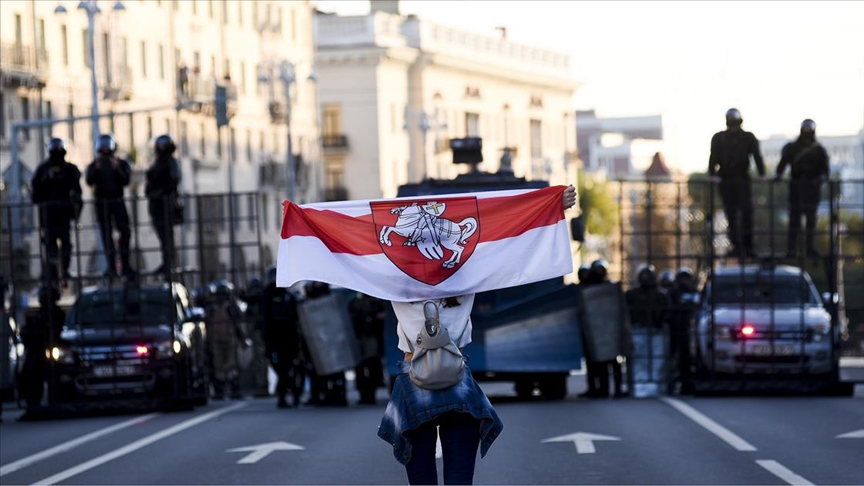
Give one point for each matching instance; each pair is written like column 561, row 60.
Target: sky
column 778, row 62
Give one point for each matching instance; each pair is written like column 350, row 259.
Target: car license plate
column 109, row 371
column 776, row 350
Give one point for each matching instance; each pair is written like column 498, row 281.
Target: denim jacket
column 410, row 406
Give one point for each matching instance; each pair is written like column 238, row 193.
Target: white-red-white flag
column 427, row 247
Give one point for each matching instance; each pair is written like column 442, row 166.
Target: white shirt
column 457, row 320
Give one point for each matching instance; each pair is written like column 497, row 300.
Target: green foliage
column 598, row 205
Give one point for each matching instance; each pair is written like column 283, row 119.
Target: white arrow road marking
column 783, row 473
column 583, row 440
column 261, row 451
column 722, row 432
column 138, row 444
column 67, row 446
column 857, row 434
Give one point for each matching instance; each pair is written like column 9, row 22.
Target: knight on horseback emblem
column 428, row 233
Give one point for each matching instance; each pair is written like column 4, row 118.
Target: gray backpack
column 436, row 362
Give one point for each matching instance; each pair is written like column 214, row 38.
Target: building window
column 232, row 141
column 265, row 211
column 254, row 15
column 176, row 5
column 334, row 173
column 194, row 7
column 293, row 25
column 86, row 43
column 536, row 138
column 143, row 59
column 161, row 62
column 240, row 7
column 332, row 119
column 243, row 77
column 71, row 125
column 49, row 114
column 184, row 138
column 210, row 8
column 149, row 127
column 252, row 207
column 124, row 54
column 224, row 12
column 218, row 143
column 41, row 34
column 248, row 145
column 202, row 142
column 25, row 116
column 472, row 124
column 64, row 42
column 2, row 116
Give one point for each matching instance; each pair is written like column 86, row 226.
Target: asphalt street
column 673, row 440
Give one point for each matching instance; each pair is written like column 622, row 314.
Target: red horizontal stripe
column 500, row 217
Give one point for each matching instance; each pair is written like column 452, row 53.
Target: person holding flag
column 443, row 249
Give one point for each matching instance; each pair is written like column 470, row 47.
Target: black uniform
column 56, row 188
column 41, row 331
column 808, row 160
column 279, row 313
column 730, row 160
column 109, row 175
column 163, row 178
column 367, row 315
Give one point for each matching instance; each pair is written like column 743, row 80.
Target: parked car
column 764, row 320
column 131, row 341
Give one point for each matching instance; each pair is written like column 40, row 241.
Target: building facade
column 395, row 89
column 151, row 57
column 618, row 148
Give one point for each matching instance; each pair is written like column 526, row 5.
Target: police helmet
column 667, row 278
column 808, row 125
column 56, row 145
column 221, row 289
column 733, row 114
column 685, row 278
column 271, row 274
column 599, row 270
column 647, row 276
column 254, row 286
column 316, row 289
column 584, row 271
column 684, row 272
column 106, row 144
column 164, row 144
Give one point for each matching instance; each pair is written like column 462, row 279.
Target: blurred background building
column 395, row 89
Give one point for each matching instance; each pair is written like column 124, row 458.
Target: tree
column 597, row 203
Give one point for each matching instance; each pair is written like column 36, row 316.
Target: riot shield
column 604, row 321
column 329, row 335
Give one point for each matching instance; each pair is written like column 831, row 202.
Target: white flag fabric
column 427, row 247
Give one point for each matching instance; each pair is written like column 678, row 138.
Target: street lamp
column 91, row 7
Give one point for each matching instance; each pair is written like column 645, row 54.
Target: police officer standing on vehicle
column 163, row 178
column 56, row 188
column 808, row 160
column 108, row 175
column 729, row 164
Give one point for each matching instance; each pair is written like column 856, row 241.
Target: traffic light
column 221, row 106
column 468, row 150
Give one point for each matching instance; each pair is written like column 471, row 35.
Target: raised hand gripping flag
column 427, row 247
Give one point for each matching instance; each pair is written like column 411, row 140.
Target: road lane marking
column 782, row 472
column 855, row 434
column 261, row 451
column 67, row 446
column 584, row 441
column 138, row 444
column 722, row 432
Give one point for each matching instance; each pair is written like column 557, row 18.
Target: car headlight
column 167, row 349
column 62, row 355
column 722, row 332
column 820, row 330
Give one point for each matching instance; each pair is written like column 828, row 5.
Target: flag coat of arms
column 427, row 247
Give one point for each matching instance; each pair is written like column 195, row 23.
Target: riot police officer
column 649, row 312
column 282, row 339
column 41, row 331
column 583, row 274
column 367, row 316
column 598, row 371
column 225, row 333
column 667, row 281
column 108, row 175
column 163, row 178
column 56, row 187
column 684, row 301
column 808, row 160
column 729, row 164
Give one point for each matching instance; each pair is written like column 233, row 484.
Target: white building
column 394, row 90
column 619, row 147
column 139, row 54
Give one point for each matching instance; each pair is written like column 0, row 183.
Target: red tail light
column 142, row 350
column 747, row 330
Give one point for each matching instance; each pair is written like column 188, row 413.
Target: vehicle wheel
column 554, row 388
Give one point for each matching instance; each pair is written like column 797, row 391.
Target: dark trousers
column 53, row 232
column 803, row 201
column 111, row 214
column 369, row 375
column 460, row 439
column 290, row 375
column 602, row 377
column 164, row 232
column 738, row 206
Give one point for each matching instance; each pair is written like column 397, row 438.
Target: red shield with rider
column 428, row 239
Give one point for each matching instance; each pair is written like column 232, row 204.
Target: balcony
column 116, row 83
column 22, row 66
column 272, row 174
column 335, row 193
column 199, row 95
column 334, row 141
